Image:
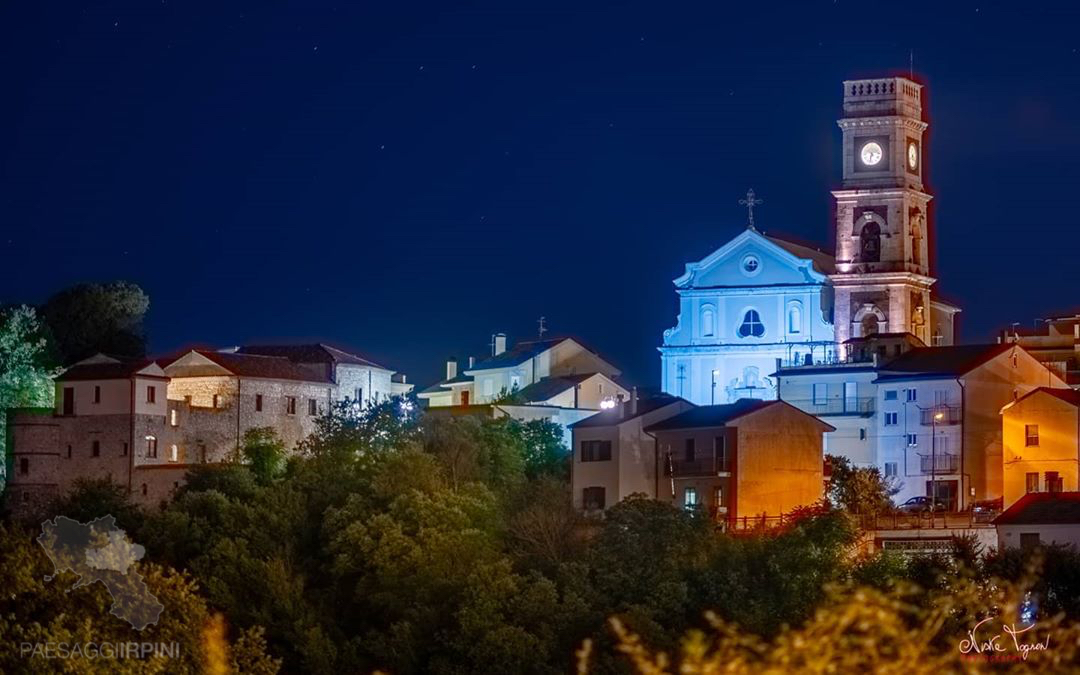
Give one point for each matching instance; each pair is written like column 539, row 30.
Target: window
column 912, row 395
column 290, row 405
column 689, row 450
column 124, row 450
column 890, row 469
column 718, row 496
column 69, row 400
column 862, row 434
column 690, row 498
column 890, row 394
column 312, row 407
column 144, row 489
column 1031, row 435
column 515, row 383
column 173, row 419
column 358, row 394
column 69, row 451
column 217, row 401
column 1031, row 482
column 258, row 402
column 151, row 394
column 912, row 440
column 751, row 325
column 595, row 451
column 151, row 447
column 592, row 498
column 1053, row 481
column 890, row 419
column 870, row 242
column 794, row 318
column 95, row 449
column 751, row 265
column 97, row 394
column 720, row 452
column 174, row 453
column 24, row 466
column 941, row 397
column 821, row 393
column 708, row 321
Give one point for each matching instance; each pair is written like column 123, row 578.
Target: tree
column 93, row 498
column 545, row 452
column 26, row 371
column 347, row 428
column 91, row 318
column 862, row 491
column 263, row 451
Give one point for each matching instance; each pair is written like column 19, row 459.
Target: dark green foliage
column 545, row 452
column 91, row 318
column 93, row 498
column 263, row 451
column 859, row 490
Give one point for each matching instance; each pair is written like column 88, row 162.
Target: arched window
column 869, row 325
column 794, row 318
column 708, row 322
column 751, row 325
column 870, row 243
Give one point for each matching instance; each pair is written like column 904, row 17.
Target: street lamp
column 938, row 416
column 712, row 399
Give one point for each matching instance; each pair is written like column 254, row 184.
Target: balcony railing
column 851, row 405
column 703, row 466
column 941, row 463
column 949, row 415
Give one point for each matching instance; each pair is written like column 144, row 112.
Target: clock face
column 912, row 155
column 871, row 153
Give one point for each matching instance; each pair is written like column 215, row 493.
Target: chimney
column 451, row 368
column 499, row 343
column 633, row 401
column 472, row 362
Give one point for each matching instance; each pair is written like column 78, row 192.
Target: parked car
column 921, row 505
column 987, row 509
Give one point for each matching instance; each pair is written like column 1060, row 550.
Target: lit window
column 751, row 324
column 1031, row 434
column 708, row 322
column 173, row 420
column 151, row 447
column 890, row 419
column 690, row 498
column 217, row 401
column 174, row 453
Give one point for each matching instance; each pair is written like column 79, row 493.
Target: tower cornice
column 879, row 122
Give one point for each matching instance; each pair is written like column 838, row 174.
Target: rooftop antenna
column 911, row 64
column 750, row 202
column 542, row 328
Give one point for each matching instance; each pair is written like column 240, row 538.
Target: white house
column 1039, row 519
column 753, row 301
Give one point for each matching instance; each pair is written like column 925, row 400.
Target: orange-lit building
column 746, row 459
column 1040, row 435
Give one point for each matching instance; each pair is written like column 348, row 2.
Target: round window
column 751, row 265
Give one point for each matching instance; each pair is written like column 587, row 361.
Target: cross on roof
column 749, row 203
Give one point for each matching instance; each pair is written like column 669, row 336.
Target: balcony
column 677, row 467
column 941, row 463
column 861, row 406
column 950, row 415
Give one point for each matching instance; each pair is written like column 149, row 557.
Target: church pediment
column 751, row 259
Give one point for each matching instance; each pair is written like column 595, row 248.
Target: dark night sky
column 408, row 178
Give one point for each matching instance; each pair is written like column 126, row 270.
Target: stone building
column 144, row 423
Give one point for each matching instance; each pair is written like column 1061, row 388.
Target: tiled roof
column 121, row 370
column 519, row 353
column 711, row 415
column 549, row 387
column 823, row 262
column 935, row 361
column 607, row 418
column 311, row 353
column 1043, row 508
column 1068, row 395
column 253, row 365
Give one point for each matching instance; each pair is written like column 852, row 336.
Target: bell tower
column 882, row 279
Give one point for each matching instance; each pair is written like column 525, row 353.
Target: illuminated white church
column 760, row 299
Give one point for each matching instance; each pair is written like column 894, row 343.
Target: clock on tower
column 883, row 277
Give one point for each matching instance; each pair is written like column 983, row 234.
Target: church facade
column 758, row 302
